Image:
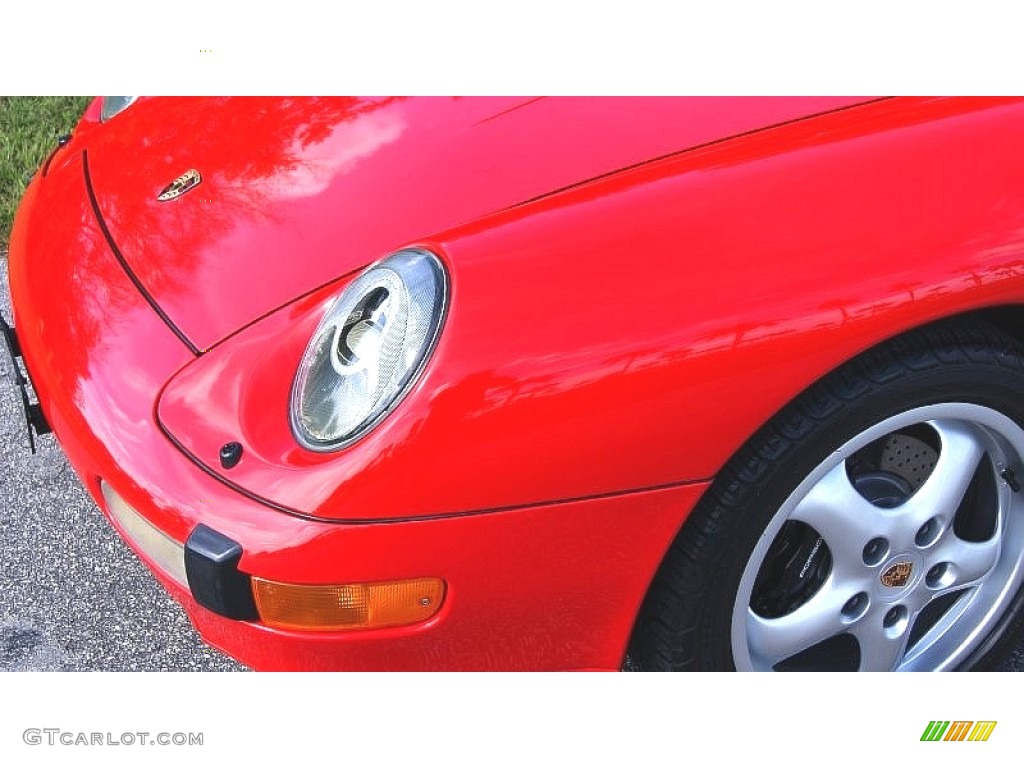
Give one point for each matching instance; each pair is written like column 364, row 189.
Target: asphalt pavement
column 72, row 595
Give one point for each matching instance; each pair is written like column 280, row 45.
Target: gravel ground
column 72, row 595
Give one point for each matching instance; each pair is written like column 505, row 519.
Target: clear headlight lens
column 368, row 349
column 113, row 105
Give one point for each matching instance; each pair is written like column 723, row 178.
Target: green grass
column 29, row 127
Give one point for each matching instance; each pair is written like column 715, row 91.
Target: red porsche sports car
column 465, row 383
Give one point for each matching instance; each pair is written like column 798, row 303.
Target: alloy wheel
column 900, row 551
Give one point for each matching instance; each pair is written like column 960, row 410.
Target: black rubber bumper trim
column 211, row 565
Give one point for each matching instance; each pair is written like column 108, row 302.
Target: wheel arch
column 1007, row 320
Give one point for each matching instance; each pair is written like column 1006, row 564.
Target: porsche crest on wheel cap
column 188, row 180
column 897, row 574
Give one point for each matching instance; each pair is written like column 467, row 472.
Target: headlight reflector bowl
column 368, row 349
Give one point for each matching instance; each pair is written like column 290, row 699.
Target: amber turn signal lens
column 346, row 606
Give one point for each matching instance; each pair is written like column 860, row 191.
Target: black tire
column 698, row 612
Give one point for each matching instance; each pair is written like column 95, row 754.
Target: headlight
column 368, row 349
column 114, row 105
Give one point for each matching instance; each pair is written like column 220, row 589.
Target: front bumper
column 553, row 586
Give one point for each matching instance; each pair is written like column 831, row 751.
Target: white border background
column 526, row 46
column 531, row 46
column 522, row 720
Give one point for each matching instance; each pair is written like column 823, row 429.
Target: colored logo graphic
column 958, row 730
column 188, row 180
column 897, row 574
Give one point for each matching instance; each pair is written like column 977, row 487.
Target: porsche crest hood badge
column 188, row 180
column 897, row 574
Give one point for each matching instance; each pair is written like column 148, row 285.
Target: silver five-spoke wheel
column 899, row 551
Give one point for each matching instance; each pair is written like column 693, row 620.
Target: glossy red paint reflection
column 568, row 577
column 608, row 346
column 636, row 343
column 297, row 192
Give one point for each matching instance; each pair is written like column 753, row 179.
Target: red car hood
column 297, row 192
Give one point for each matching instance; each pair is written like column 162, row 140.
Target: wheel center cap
column 899, row 574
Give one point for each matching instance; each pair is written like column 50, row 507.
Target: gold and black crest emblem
column 188, row 180
column 897, row 574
